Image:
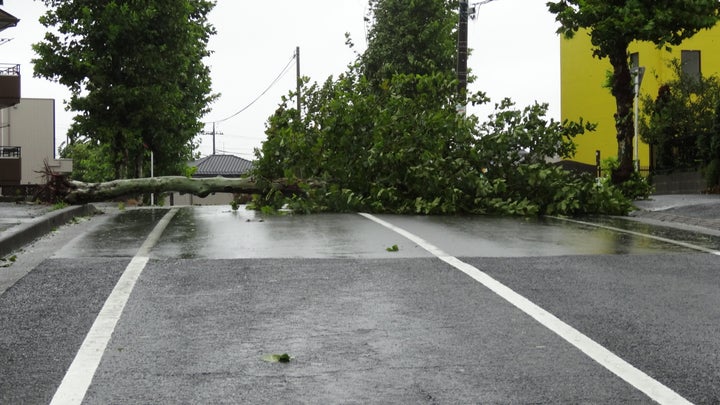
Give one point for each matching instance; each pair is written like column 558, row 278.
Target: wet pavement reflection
column 218, row 232
column 688, row 236
column 119, row 235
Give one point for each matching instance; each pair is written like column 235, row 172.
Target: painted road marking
column 78, row 377
column 638, row 379
column 658, row 238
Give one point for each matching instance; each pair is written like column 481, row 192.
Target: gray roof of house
column 7, row 20
column 221, row 165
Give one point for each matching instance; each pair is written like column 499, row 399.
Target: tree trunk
column 75, row 192
column 623, row 92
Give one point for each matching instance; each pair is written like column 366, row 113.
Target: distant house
column 221, row 165
column 215, row 166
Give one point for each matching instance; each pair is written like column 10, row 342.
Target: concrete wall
column 31, row 125
column 212, row 199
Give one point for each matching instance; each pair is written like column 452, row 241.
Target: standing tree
column 136, row 74
column 612, row 26
column 414, row 38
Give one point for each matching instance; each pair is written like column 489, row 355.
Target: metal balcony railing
column 7, row 69
column 9, row 85
column 10, row 152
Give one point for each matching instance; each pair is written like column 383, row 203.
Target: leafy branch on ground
column 8, row 261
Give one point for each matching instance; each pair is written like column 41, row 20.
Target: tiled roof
column 221, row 165
column 7, row 20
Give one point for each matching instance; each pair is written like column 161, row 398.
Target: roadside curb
column 21, row 235
column 682, row 219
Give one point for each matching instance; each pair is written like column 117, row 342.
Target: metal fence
column 10, row 152
column 9, row 69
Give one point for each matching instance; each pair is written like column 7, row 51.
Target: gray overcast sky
column 515, row 54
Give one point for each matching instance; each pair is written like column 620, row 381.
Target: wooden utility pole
column 299, row 82
column 462, row 52
column 213, row 133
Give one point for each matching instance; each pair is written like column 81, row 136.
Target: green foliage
column 615, row 24
column 390, row 140
column 393, row 248
column 712, row 175
column 59, row 205
column 136, row 75
column 91, row 161
column 234, row 205
column 190, row 171
column 636, row 187
column 416, row 155
column 415, row 37
column 7, row 261
column 612, row 26
column 681, row 122
column 277, row 358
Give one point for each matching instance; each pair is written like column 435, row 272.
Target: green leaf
column 277, row 358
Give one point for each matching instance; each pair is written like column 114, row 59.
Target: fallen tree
column 60, row 188
column 79, row 192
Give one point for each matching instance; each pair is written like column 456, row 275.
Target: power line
column 274, row 82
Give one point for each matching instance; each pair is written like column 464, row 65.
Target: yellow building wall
column 583, row 94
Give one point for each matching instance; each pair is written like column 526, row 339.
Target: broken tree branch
column 78, row 192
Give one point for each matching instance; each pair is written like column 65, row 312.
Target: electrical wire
column 274, row 82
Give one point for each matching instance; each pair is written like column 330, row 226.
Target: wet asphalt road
column 224, row 289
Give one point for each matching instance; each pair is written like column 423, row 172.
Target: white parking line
column 78, row 377
column 658, row 238
column 638, row 379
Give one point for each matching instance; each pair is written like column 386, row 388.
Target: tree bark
column 75, row 192
column 623, row 92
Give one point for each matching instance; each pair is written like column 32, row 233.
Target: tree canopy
column 136, row 75
column 414, row 37
column 387, row 137
column 613, row 25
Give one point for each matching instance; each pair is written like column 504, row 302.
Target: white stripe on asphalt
column 78, row 377
column 638, row 379
column 658, row 238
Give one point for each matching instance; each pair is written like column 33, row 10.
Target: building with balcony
column 27, row 131
column 10, row 155
column 27, row 143
column 9, row 73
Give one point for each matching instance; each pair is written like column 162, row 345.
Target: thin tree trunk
column 622, row 90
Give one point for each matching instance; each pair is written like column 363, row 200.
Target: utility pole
column 462, row 45
column 299, row 82
column 462, row 58
column 213, row 133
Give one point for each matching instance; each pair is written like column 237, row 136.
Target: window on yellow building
column 634, row 60
column 690, row 61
